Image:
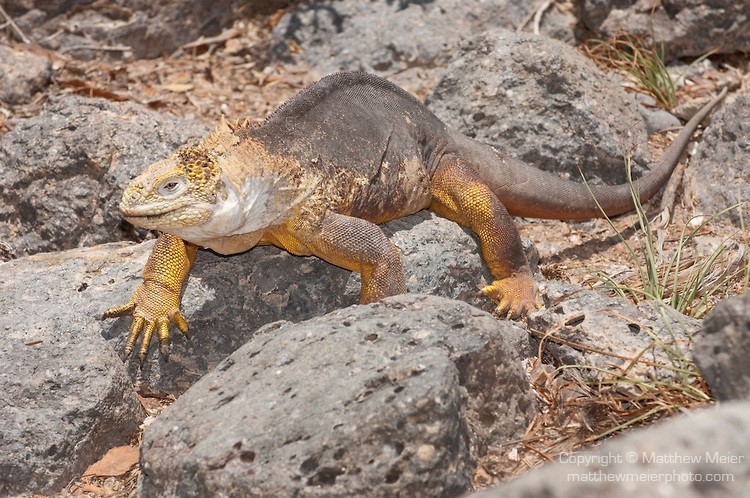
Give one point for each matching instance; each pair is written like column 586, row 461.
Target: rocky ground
column 287, row 387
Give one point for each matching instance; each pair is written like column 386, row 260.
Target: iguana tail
column 531, row 192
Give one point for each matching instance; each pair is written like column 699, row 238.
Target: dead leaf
column 115, row 463
column 178, row 87
column 85, row 88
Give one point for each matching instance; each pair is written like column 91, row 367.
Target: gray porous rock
column 441, row 258
column 396, row 398
column 66, row 397
column 226, row 300
column 686, row 28
column 22, row 74
column 136, row 28
column 544, row 102
column 394, row 37
column 723, row 348
column 699, row 454
column 63, row 171
column 598, row 332
column 719, row 172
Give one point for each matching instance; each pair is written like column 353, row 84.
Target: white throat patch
column 252, row 207
column 247, row 209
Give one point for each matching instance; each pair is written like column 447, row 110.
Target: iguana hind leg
column 459, row 195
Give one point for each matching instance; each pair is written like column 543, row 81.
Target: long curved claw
column 179, row 321
column 163, row 333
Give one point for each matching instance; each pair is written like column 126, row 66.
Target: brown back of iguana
column 359, row 122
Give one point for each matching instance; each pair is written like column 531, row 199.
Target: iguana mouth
column 147, row 211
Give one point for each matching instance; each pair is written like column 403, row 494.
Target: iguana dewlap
column 316, row 178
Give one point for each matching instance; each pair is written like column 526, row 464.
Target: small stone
column 22, row 74
column 426, row 452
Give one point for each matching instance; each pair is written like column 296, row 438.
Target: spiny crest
column 225, row 135
column 200, row 166
column 239, row 124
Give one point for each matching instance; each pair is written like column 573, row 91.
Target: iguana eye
column 170, row 186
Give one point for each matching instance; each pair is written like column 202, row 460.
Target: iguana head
column 176, row 193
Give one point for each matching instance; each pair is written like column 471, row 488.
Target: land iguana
column 317, row 177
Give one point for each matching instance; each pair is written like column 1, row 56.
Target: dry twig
column 536, row 14
column 13, row 25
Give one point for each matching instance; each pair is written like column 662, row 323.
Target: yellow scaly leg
column 156, row 302
column 459, row 195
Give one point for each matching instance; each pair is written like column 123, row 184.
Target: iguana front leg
column 459, row 195
column 156, row 302
column 351, row 243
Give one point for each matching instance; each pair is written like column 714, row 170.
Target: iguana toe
column 125, row 309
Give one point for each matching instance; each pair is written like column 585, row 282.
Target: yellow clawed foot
column 516, row 296
column 153, row 307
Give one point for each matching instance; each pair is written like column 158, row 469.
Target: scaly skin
column 157, row 299
column 316, row 178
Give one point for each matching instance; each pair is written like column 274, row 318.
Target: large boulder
column 67, row 397
column 723, row 347
column 719, row 172
column 694, row 455
column 22, row 74
column 400, row 37
column 64, row 170
column 137, row 28
column 607, row 337
column 543, row 102
column 396, row 398
column 686, row 28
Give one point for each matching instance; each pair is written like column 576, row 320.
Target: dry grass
column 638, row 59
column 643, row 63
column 575, row 414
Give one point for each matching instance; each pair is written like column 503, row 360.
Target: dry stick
column 105, row 48
column 667, row 204
column 535, row 14
column 666, row 209
column 538, row 15
column 14, row 26
column 225, row 35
